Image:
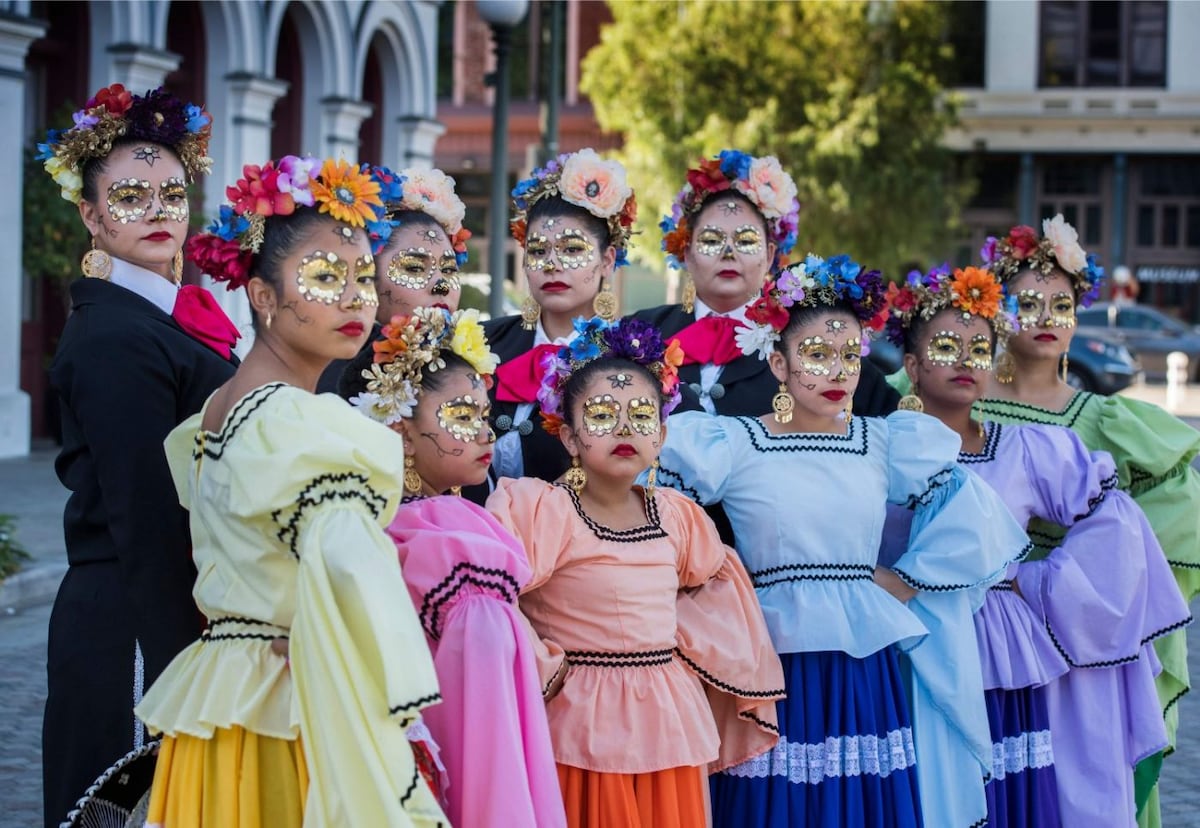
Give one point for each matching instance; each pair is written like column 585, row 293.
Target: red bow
column 518, row 379
column 710, row 341
column 198, row 313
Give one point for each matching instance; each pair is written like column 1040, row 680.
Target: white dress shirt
column 147, row 284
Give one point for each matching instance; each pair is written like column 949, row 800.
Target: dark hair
column 281, row 234
column 352, row 382
column 556, row 207
column 573, row 388
column 93, row 167
column 725, row 195
column 801, row 315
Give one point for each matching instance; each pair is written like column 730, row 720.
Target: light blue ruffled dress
column 808, row 510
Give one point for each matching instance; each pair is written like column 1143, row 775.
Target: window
column 1117, row 43
column 966, row 31
column 445, row 50
column 1167, row 204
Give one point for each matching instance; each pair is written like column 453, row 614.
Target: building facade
column 346, row 79
column 1091, row 109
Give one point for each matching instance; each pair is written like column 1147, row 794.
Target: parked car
column 1097, row 361
column 1148, row 332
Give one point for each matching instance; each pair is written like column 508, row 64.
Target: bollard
column 1177, row 377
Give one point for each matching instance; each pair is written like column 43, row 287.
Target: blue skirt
column 845, row 755
column 1022, row 791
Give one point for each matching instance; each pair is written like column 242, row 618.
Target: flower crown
column 630, row 339
column 815, row 282
column 158, row 117
column 1059, row 247
column 761, row 180
column 586, row 180
column 971, row 290
column 425, row 191
column 412, row 345
column 279, row 188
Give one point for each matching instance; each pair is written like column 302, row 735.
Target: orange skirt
column 237, row 779
column 673, row 798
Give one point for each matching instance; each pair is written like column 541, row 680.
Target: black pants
column 89, row 721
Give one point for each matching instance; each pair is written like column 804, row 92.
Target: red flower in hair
column 258, row 192
column 517, row 228
column 224, row 261
column 708, row 178
column 628, row 212
column 766, row 310
column 1024, row 241
column 116, row 99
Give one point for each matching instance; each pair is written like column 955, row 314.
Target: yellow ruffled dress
column 288, row 503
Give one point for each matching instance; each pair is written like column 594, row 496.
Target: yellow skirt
column 236, row 779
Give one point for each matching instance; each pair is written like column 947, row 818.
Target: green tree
column 846, row 94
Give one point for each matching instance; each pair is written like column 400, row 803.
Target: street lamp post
column 501, row 16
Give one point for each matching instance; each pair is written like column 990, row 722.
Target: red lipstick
column 352, row 329
column 160, row 235
column 555, row 287
column 624, row 450
column 834, row 395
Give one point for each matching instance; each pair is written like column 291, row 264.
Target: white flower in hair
column 1065, row 243
column 755, row 338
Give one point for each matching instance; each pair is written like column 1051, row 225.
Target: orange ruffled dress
column 655, row 660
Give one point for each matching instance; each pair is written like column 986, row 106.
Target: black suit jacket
column 126, row 374
column 543, row 454
column 748, row 382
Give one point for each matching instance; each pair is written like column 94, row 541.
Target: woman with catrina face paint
column 419, row 251
column 427, row 379
column 292, row 708
column 1068, row 670
column 655, row 659
column 1048, row 277
column 138, row 354
column 806, row 490
column 573, row 220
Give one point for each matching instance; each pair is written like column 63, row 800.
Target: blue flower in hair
column 229, row 226
column 735, row 164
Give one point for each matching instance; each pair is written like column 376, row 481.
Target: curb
column 31, row 587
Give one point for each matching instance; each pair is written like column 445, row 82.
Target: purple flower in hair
column 988, row 251
column 635, row 340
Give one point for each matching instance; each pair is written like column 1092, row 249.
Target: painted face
column 818, row 355
column 141, row 212
column 1033, row 310
column 728, row 255
column 820, row 363
column 448, row 434
column 419, row 269
column 323, row 306
column 464, row 417
column 617, row 426
column 951, row 359
column 947, row 348
column 565, row 265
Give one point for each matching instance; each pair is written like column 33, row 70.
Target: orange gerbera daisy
column 392, row 343
column 976, row 291
column 346, row 193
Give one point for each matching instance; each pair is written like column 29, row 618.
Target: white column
column 341, row 119
column 416, row 138
column 1183, row 58
column 15, row 36
column 139, row 67
column 245, row 138
column 1011, row 51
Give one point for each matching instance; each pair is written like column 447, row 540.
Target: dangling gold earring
column 1062, row 371
column 530, row 312
column 576, row 477
column 912, row 401
column 96, row 264
column 687, row 296
column 412, row 480
column 1005, row 368
column 177, row 266
column 269, row 319
column 849, row 411
column 652, row 478
column 783, row 404
column 605, row 303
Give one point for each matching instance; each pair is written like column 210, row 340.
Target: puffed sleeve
column 1106, row 590
column 360, row 665
column 526, row 507
column 722, row 636
column 465, row 571
column 696, row 458
column 962, row 539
